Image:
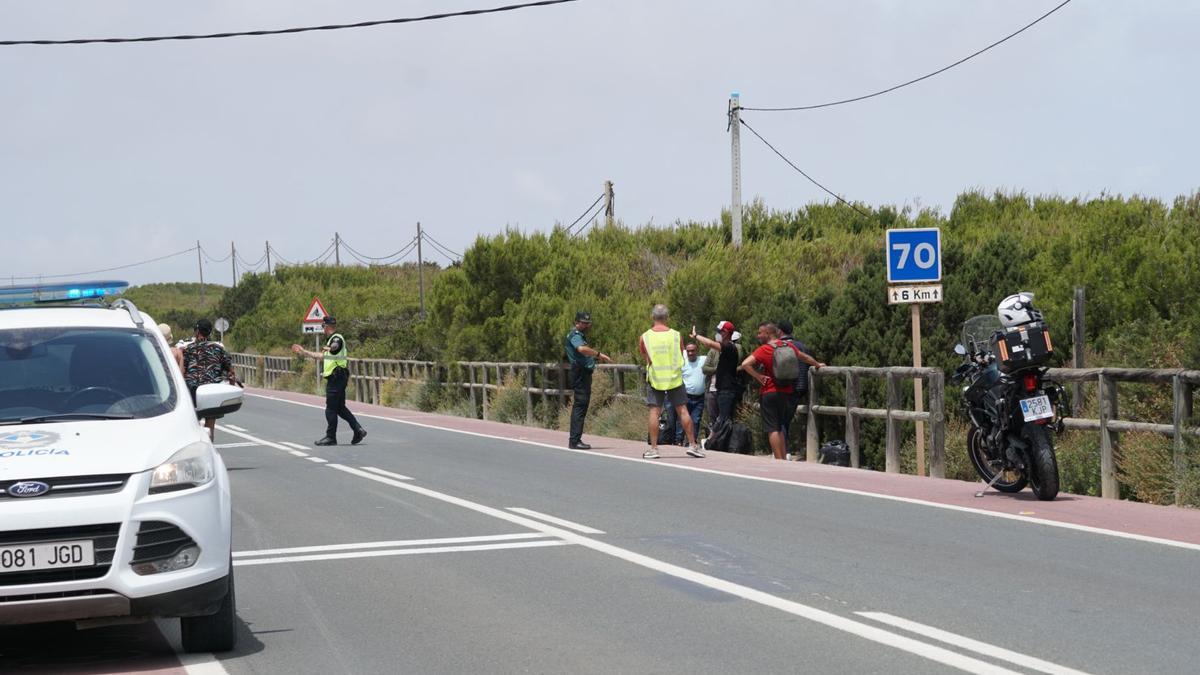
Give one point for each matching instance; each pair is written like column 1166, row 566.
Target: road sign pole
column 918, row 385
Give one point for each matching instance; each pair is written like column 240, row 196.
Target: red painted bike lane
column 1132, row 519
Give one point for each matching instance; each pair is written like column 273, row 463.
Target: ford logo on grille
column 28, row 488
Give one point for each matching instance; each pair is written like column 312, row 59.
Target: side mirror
column 960, row 350
column 218, row 400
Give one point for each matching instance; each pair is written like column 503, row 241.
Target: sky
column 113, row 154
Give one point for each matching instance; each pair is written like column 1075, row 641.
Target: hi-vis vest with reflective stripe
column 666, row 360
column 333, row 362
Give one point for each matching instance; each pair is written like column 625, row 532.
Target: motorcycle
column 1012, row 405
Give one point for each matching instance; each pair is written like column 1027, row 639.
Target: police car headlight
column 190, row 467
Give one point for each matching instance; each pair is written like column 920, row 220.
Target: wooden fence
column 1109, row 425
column 548, row 383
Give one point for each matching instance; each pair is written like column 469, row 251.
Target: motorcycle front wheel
column 1043, row 469
column 1010, row 482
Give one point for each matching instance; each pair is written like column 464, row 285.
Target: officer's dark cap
column 329, row 321
column 583, row 317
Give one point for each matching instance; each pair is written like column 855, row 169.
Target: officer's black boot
column 359, row 434
column 328, row 440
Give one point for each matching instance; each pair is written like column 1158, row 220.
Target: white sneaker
column 695, row 451
column 650, row 454
column 788, row 457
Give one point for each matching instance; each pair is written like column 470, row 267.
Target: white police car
column 113, row 502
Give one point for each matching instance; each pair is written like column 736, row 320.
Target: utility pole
column 233, row 262
column 609, row 212
column 735, row 131
column 200, row 265
column 337, row 249
column 268, row 258
column 420, row 269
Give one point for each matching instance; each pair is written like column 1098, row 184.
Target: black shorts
column 777, row 411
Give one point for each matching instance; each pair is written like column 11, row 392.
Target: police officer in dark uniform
column 583, row 361
column 335, row 368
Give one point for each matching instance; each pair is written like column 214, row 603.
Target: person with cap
column 205, row 362
column 726, row 380
column 582, row 359
column 662, row 347
column 335, row 365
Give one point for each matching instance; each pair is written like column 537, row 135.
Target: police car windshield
column 63, row 374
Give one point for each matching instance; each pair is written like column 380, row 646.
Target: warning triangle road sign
column 316, row 312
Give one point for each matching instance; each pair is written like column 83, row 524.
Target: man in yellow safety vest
column 335, row 368
column 662, row 347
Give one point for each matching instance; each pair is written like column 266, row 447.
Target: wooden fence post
column 1109, row 440
column 529, row 394
column 937, row 425
column 471, row 380
column 562, row 386
column 852, row 419
column 1179, row 398
column 812, row 436
column 261, row 366
column 892, row 449
column 483, row 389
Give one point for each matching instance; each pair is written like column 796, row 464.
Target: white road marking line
column 814, row 486
column 318, row 460
column 967, row 643
column 230, row 426
column 201, row 664
column 389, row 474
column 246, row 444
column 297, row 453
column 401, row 551
column 848, row 625
column 553, row 520
column 390, row 544
column 297, row 446
column 256, row 439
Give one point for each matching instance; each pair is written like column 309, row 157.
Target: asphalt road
column 405, row 554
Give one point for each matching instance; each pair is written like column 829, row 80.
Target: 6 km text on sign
column 905, row 295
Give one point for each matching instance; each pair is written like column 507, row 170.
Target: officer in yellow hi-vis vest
column 662, row 348
column 335, row 368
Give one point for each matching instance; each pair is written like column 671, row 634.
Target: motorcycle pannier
column 1026, row 346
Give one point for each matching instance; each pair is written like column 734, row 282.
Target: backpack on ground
column 739, row 439
column 718, row 438
column 785, row 364
column 836, row 453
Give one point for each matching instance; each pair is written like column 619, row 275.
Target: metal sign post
column 222, row 325
column 914, row 257
column 312, row 322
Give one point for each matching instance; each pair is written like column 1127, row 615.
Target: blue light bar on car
column 40, row 293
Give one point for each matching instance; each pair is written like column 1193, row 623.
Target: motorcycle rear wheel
column 1011, row 482
column 1043, row 472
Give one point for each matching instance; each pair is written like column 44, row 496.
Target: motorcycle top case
column 1020, row 347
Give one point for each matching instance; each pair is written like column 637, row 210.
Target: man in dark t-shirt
column 728, row 382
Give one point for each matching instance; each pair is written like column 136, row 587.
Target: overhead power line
column 109, row 269
column 939, row 71
column 211, row 259
column 286, row 31
column 439, row 245
column 363, row 258
column 584, row 214
column 812, row 180
column 584, row 223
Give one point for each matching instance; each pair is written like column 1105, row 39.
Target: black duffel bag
column 836, row 453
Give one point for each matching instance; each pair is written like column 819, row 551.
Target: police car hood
column 92, row 447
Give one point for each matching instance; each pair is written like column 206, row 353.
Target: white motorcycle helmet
column 1018, row 310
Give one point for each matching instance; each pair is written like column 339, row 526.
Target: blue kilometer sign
column 914, row 255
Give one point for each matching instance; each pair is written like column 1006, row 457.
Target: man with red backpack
column 775, row 365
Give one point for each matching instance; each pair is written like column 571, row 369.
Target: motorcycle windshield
column 977, row 332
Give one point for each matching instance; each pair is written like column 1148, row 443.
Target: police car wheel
column 214, row 633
